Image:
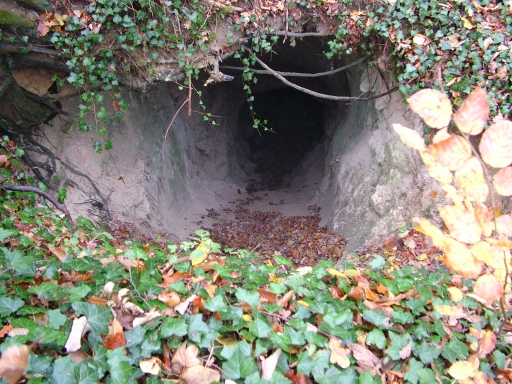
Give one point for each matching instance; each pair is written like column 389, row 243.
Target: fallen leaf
column 185, row 357
column 13, row 362
column 339, row 354
column 152, row 366
column 200, row 375
column 78, row 329
column 462, row 224
column 365, row 358
column 462, row 370
column 459, row 259
column 486, row 344
column 434, row 107
column 115, row 338
column 269, row 364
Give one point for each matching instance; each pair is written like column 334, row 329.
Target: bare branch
column 297, row 74
column 317, row 94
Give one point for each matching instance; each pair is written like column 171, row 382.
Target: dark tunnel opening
column 295, row 123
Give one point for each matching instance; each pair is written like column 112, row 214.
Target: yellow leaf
column 459, row 259
column 335, row 272
column 203, row 250
column 425, row 227
column 487, row 254
column 59, row 19
column 462, row 370
column 436, row 170
column 467, row 23
column 451, row 153
column 303, row 303
column 352, row 273
column 410, row 137
column 503, row 181
column 433, row 107
column 247, row 318
column 151, row 366
column 473, row 114
column 272, row 277
column 471, row 179
column 486, row 344
column 339, row 354
column 484, row 218
column 455, row 294
column 496, row 144
column 227, row 341
column 462, row 224
column 488, row 288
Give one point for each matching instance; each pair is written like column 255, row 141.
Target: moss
column 36, row 5
column 15, row 21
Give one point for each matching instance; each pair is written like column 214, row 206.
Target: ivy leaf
column 377, row 338
column 333, row 375
column 260, row 328
column 377, row 263
column 86, row 373
column 98, row 317
column 376, row 317
column 119, row 366
column 56, row 319
column 5, row 233
column 64, row 371
column 250, row 297
column 426, row 352
column 78, row 293
column 21, row 262
column 412, row 373
column 399, row 345
column 305, row 363
column 217, row 304
column 174, row 326
column 240, row 364
column 9, row 305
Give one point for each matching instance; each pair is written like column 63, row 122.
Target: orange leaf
column 410, row 137
column 13, row 362
column 486, row 344
column 298, row 378
column 5, row 329
column 471, row 179
column 114, row 341
column 473, row 113
column 97, row 300
column 433, row 107
column 496, row 144
column 451, row 153
column 484, row 218
column 425, row 227
column 462, row 224
column 185, row 357
column 267, row 296
column 503, row 181
column 436, row 170
column 459, row 259
column 504, row 224
column 489, row 288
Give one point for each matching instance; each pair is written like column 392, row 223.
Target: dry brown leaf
column 433, row 107
column 185, row 357
column 339, row 354
column 473, row 114
column 486, row 344
column 200, row 375
column 78, row 329
column 462, row 224
column 171, row 299
column 462, row 370
column 405, row 352
column 410, row 137
column 459, row 259
column 489, row 288
column 451, row 153
column 268, row 365
column 471, row 179
column 13, row 362
column 365, row 358
column 283, row 301
column 152, row 366
column 496, row 144
column 115, row 337
column 503, row 181
column 60, row 253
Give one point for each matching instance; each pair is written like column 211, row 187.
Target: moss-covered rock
column 14, row 20
column 36, row 5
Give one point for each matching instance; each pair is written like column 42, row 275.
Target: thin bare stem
column 174, row 118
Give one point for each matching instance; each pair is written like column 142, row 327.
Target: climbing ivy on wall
column 453, row 46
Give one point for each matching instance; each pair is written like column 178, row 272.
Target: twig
column 189, row 95
column 299, row 34
column 46, row 195
column 296, row 74
column 174, row 118
column 313, row 93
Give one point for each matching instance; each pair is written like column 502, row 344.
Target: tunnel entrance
column 295, row 125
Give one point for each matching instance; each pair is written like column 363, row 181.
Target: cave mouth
column 294, row 126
